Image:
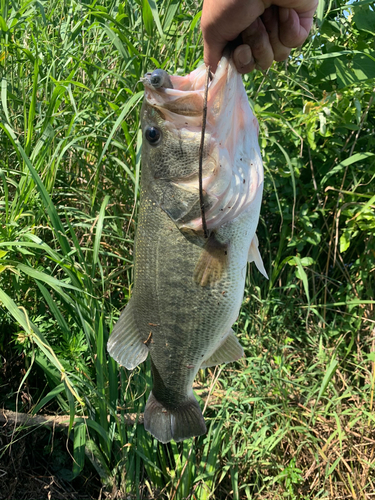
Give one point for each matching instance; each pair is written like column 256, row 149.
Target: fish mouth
column 233, row 171
column 186, row 98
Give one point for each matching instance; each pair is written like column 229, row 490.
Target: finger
column 294, row 28
column 270, row 20
column 243, row 59
column 212, row 54
column 213, row 39
column 222, row 21
column 257, row 38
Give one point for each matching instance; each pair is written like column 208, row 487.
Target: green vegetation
column 295, row 418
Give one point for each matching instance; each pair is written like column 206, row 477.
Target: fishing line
column 204, row 120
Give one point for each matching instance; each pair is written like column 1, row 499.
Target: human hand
column 269, row 29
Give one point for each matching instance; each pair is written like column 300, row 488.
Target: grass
column 294, row 418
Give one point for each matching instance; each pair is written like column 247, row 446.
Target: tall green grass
column 294, row 419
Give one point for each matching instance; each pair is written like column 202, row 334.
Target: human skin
column 269, row 30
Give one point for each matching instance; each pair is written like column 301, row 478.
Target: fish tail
column 179, row 423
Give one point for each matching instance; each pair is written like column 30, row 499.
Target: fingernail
column 283, row 14
column 244, row 55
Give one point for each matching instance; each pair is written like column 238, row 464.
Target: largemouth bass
column 188, row 288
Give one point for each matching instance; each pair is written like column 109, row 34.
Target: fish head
column 171, row 122
column 172, row 117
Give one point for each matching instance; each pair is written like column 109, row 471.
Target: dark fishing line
column 204, row 120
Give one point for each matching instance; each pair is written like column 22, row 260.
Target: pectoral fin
column 212, row 262
column 254, row 256
column 125, row 344
column 229, row 350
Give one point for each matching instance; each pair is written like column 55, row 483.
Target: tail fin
column 182, row 423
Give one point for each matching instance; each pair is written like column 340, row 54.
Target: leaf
column 147, row 17
column 329, row 28
column 364, row 19
column 333, row 466
column 320, row 11
column 46, row 278
column 70, row 397
column 348, row 161
column 368, row 204
column 322, row 124
column 301, row 274
column 326, row 380
column 99, row 430
column 138, row 163
column 54, row 309
column 307, row 261
column 79, row 442
column 4, row 88
column 345, row 241
column 97, row 459
column 3, row 24
column 99, row 229
column 51, row 395
column 146, row 459
column 291, row 169
column 345, row 76
column 20, row 315
column 168, row 18
column 155, row 15
column 336, row 55
column 361, row 68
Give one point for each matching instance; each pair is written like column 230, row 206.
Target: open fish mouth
column 232, row 169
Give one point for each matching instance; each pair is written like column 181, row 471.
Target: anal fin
column 212, row 262
column 228, row 350
column 125, row 344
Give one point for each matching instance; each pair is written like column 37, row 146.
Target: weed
column 294, row 418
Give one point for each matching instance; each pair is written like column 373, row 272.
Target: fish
column 188, row 284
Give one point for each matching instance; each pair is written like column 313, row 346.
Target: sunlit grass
column 294, row 419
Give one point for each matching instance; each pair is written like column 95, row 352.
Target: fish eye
column 153, row 135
